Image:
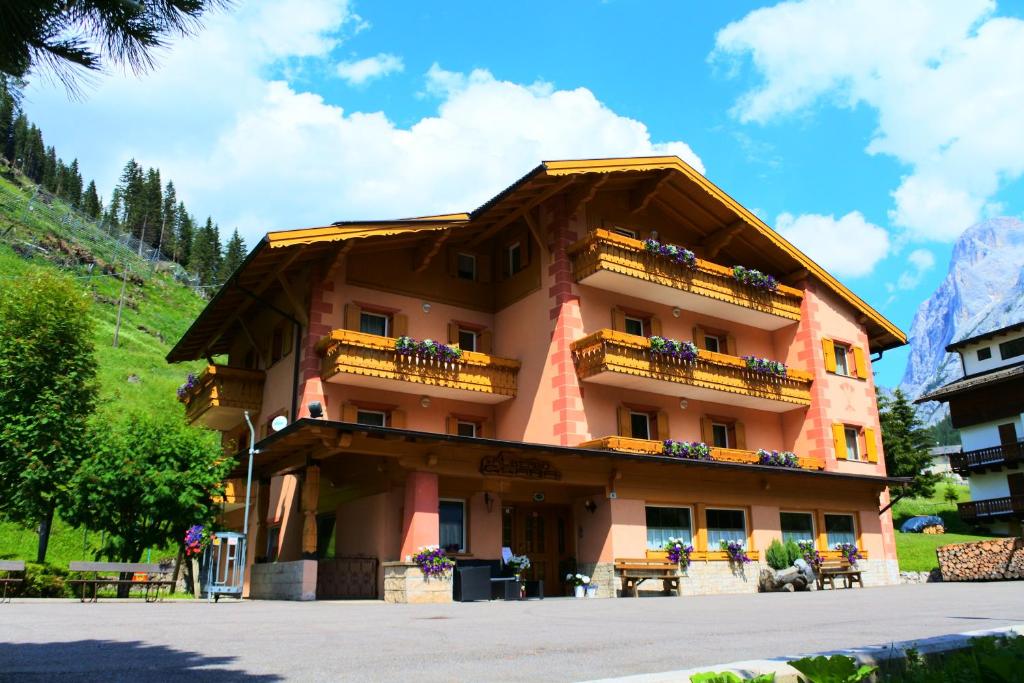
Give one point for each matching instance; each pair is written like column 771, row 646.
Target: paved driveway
column 557, row 640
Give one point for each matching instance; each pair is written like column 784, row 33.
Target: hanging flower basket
column 811, row 556
column 688, row 450
column 849, row 552
column 197, row 538
column 672, row 348
column 678, row 552
column 736, row 551
column 428, row 348
column 755, row 278
column 671, row 252
column 777, row 458
column 765, row 366
column 191, row 382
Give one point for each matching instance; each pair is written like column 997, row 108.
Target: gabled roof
column 978, row 380
column 957, row 345
column 663, row 181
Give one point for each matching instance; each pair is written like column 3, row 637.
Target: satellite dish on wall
column 279, row 423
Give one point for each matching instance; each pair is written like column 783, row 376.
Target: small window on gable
column 375, row 323
column 626, row 232
column 985, row 353
column 467, row 339
column 637, row 326
column 712, row 343
column 514, row 254
column 376, row 418
column 640, row 425
column 465, row 266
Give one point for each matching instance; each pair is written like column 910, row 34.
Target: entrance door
column 1016, row 483
column 542, row 533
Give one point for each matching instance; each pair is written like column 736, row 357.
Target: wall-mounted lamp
column 424, row 401
column 426, row 307
column 654, row 234
column 316, row 409
column 590, row 506
column 683, row 404
column 488, row 501
column 676, row 312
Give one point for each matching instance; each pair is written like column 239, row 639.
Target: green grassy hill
column 134, row 376
column 917, row 551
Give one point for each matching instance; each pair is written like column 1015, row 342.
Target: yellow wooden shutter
column 453, row 333
column 830, row 354
column 399, row 325
column 451, row 425
column 730, row 345
column 625, row 429
column 618, row 319
column 870, row 446
column 352, row 313
column 485, row 342
column 741, row 436
column 861, row 362
column 706, row 433
column 348, row 412
column 663, row 426
column 655, row 327
column 397, row 419
column 839, row 440
column 698, row 337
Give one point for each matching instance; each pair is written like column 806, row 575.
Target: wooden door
column 1016, row 483
column 1007, row 434
column 542, row 533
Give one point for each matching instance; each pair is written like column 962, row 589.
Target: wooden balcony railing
column 996, row 456
column 370, row 360
column 628, row 444
column 992, row 507
column 222, row 395
column 616, row 263
column 626, row 360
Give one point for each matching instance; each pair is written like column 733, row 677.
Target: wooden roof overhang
column 711, row 218
column 309, row 440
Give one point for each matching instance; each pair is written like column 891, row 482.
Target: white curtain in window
column 716, row 536
column 657, row 537
column 451, row 523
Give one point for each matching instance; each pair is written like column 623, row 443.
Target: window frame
column 515, row 265
column 465, row 521
column 647, row 416
column 273, row 548
column 474, row 273
column 814, row 524
column 690, row 512
column 725, row 426
column 988, row 353
column 459, row 422
column 624, row 232
column 1015, row 347
column 859, row 455
column 842, row 349
column 746, row 526
column 718, row 343
column 388, row 321
column 645, row 324
column 460, row 330
column 824, row 524
column 385, row 415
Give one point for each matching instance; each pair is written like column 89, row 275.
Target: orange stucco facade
column 526, row 396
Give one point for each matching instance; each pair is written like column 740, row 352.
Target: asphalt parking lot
column 551, row 640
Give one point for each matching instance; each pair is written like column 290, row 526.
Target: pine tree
column 186, row 230
column 91, row 206
column 905, row 442
column 169, row 221
column 130, row 187
column 35, row 158
column 115, row 211
column 152, row 207
column 234, row 254
column 20, row 141
column 53, row 169
column 205, row 258
column 8, row 109
column 73, row 191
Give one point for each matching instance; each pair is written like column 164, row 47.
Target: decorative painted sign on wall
column 502, row 465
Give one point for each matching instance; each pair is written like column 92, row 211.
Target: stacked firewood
column 999, row 558
column 934, row 529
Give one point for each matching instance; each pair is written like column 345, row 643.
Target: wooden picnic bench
column 7, row 567
column 830, row 570
column 634, row 571
column 149, row 577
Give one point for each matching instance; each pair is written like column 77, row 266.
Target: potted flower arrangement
column 679, row 350
column 197, row 539
column 428, row 349
column 679, row 552
column 191, row 382
column 433, row 561
column 849, row 552
column 764, row 366
column 579, row 583
column 754, row 278
column 777, row 458
column 737, row 553
column 518, row 564
column 811, row 556
column 675, row 254
column 688, row 450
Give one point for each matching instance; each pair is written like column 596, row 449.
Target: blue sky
column 870, row 133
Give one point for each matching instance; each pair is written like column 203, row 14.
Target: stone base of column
column 404, row 582
column 283, row 581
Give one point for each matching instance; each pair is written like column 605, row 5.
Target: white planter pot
column 591, row 591
column 581, row 592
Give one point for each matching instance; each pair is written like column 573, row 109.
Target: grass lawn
column 917, row 551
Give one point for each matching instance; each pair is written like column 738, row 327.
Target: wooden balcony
column 222, row 395
column 621, row 264
column 627, row 444
column 1006, row 455
column 368, row 360
column 992, row 508
column 626, row 361
column 234, row 494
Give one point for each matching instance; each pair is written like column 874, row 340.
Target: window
column 666, row 523
column 626, row 232
column 465, row 266
column 515, row 258
column 637, row 326
column 985, row 353
column 280, row 342
column 797, row 526
column 273, row 541
column 640, row 425
column 377, row 418
column 726, row 525
column 467, row 339
column 452, row 516
column 842, row 368
column 375, row 323
column 720, row 435
column 839, row 529
column 712, row 343
column 852, row 443
column 1012, row 348
column 467, row 428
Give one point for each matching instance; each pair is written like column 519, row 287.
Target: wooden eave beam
column 533, row 223
column 537, row 200
column 678, row 215
column 691, row 202
column 580, row 197
column 296, row 305
column 641, row 196
column 428, row 251
column 719, row 239
column 252, row 341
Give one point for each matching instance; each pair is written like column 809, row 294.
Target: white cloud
column 920, row 261
column 848, row 247
column 267, row 154
column 942, row 76
column 371, row 68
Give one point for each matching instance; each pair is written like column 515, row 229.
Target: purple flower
column 765, row 366
column 754, row 278
column 673, row 253
column 671, row 348
column 777, row 459
column 688, row 450
column 433, row 561
column 428, row 348
column 735, row 550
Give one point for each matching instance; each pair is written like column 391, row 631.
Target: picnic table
column 150, row 577
column 634, row 571
column 830, row 570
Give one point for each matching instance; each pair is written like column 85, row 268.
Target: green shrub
column 730, row 677
column 41, row 581
column 793, row 552
column 834, row 669
column 777, row 556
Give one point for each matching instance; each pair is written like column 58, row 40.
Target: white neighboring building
column 941, row 462
column 987, row 407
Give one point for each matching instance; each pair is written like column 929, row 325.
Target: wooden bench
column 149, row 577
column 830, row 570
column 6, row 567
column 633, row 572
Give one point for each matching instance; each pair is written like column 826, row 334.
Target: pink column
column 421, row 525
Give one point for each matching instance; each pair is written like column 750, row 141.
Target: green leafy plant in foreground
column 730, row 677
column 988, row 660
column 834, row 669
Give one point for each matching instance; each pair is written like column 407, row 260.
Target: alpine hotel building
column 547, row 435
